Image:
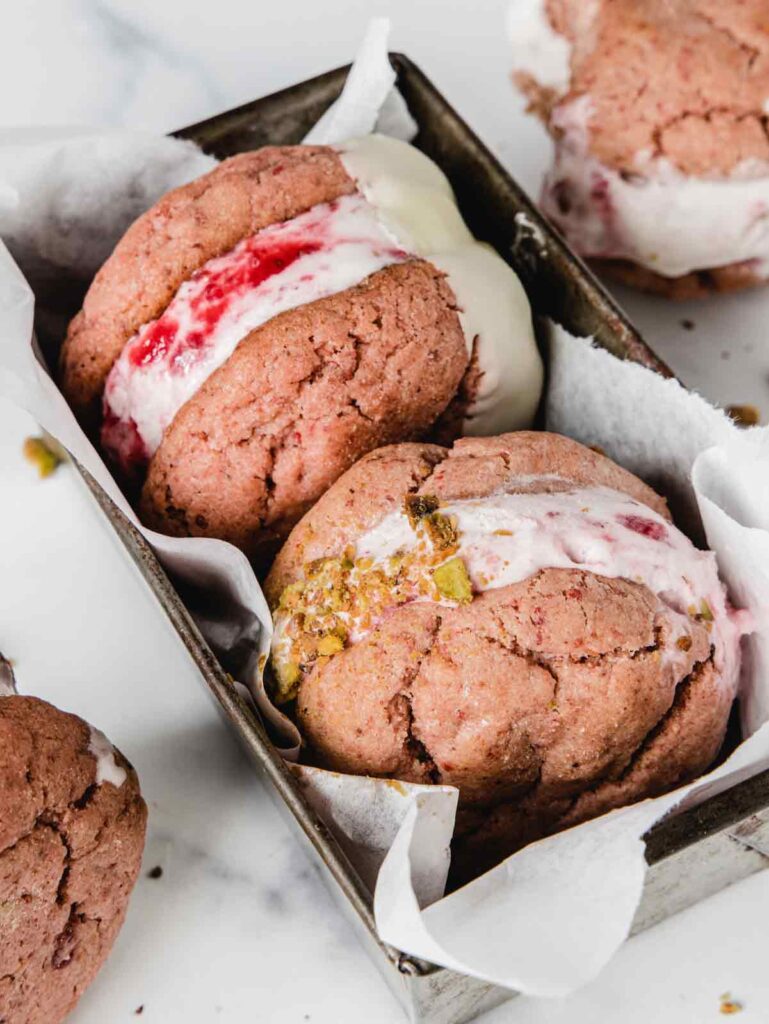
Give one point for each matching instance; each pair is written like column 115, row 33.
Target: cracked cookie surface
column 70, row 852
column 684, row 80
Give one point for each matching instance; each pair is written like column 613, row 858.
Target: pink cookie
column 71, row 839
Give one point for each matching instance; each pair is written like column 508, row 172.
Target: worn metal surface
column 692, row 855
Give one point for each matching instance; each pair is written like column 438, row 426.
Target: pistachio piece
column 417, row 506
column 453, row 581
column 37, row 451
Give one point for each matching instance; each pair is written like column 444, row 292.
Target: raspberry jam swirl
column 326, row 250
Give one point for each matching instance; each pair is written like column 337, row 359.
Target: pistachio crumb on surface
column 339, row 598
column 38, row 451
column 442, row 530
column 417, row 506
column 728, row 1005
column 287, row 677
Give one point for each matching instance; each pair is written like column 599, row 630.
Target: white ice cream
column 506, row 538
column 107, row 768
column 324, row 251
column 538, row 50
column 414, row 199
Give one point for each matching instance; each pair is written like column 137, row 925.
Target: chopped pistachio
column 330, row 644
column 291, row 596
column 417, row 506
column 442, row 530
column 503, row 533
column 705, row 611
column 729, row 1005
column 40, row 454
column 287, row 676
column 453, row 580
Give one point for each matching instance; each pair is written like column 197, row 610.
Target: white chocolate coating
column 414, row 200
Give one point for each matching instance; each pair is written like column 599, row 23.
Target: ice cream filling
column 656, row 216
column 448, row 553
column 404, row 208
column 107, row 768
column 330, row 248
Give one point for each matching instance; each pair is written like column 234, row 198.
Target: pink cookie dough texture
column 304, row 394
column 672, row 93
column 546, row 701
column 71, row 843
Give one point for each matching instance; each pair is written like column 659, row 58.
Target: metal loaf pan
column 692, row 855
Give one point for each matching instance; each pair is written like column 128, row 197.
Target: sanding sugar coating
column 405, row 208
column 657, row 110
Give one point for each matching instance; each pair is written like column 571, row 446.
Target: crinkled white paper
column 549, row 918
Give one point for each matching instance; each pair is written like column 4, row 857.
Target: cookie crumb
column 688, row 325
column 729, row 1005
column 156, row 872
column 744, row 415
column 139, row 1010
column 39, row 452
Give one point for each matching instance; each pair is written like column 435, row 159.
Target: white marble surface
column 239, row 928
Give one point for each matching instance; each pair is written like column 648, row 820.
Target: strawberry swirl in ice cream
column 329, row 248
column 446, row 553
